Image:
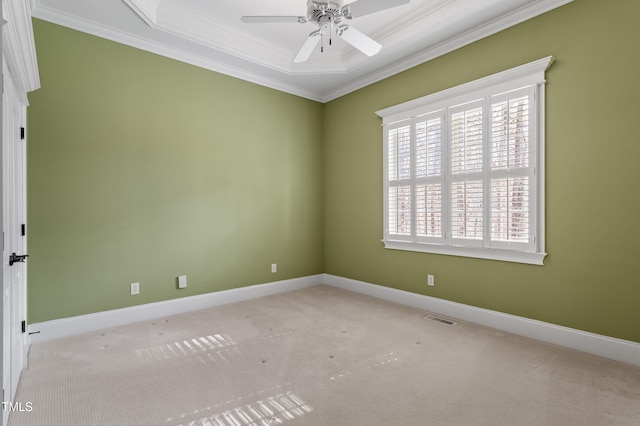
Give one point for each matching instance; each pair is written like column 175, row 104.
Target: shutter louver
column 510, row 209
column 400, row 210
column 399, row 197
column 392, row 155
column 466, row 141
column 467, row 209
column 404, row 153
column 429, row 210
column 510, row 134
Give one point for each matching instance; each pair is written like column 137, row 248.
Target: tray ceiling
column 209, row 34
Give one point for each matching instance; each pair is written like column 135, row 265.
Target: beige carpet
column 319, row 356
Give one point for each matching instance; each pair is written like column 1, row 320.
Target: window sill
column 480, row 253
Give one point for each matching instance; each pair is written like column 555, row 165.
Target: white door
column 14, row 341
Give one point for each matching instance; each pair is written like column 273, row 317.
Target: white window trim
column 531, row 74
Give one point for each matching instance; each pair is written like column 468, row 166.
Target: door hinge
column 24, row 326
column 21, row 133
column 23, row 229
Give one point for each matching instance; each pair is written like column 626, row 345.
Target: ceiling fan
column 328, row 15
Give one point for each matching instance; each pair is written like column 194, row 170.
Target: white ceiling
column 209, row 34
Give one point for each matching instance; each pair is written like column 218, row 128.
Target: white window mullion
column 413, row 179
column 486, row 171
column 446, row 180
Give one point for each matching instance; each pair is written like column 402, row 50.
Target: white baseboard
column 596, row 344
column 608, row 347
column 55, row 329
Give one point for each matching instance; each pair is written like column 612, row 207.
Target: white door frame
column 20, row 67
column 14, row 339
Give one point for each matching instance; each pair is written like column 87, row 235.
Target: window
column 464, row 169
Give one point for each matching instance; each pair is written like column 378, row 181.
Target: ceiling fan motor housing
column 324, row 12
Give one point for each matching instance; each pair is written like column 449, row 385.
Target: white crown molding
column 147, row 10
column 397, row 25
column 595, row 344
column 19, row 47
column 108, row 33
column 504, row 22
column 209, row 32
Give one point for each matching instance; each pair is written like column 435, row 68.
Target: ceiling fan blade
column 273, row 19
column 365, row 7
column 362, row 42
column 307, row 48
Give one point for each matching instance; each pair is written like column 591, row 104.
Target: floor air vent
column 442, row 320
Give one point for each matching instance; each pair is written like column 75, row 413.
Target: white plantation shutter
column 429, row 179
column 511, row 174
column 399, row 206
column 464, row 169
column 467, row 164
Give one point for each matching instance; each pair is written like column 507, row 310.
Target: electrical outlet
column 274, row 267
column 431, row 280
column 135, row 288
column 182, row 281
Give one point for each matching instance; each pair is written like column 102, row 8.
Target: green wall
column 141, row 168
column 589, row 280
